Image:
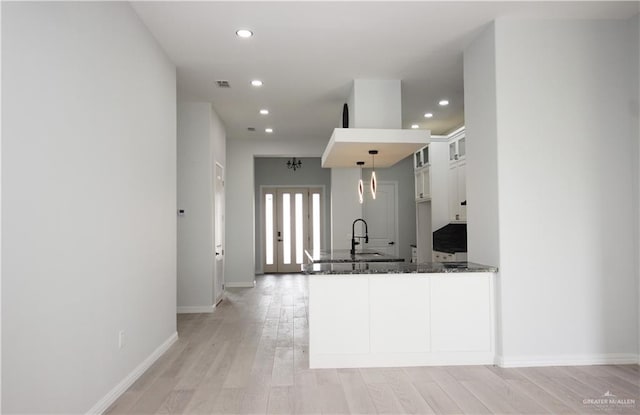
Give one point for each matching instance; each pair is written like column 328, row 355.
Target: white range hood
column 375, row 112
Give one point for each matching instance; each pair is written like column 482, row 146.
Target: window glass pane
column 462, row 147
column 315, row 203
column 286, row 228
column 268, row 213
column 299, row 240
column 452, row 150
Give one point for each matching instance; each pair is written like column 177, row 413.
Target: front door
column 291, row 224
column 380, row 215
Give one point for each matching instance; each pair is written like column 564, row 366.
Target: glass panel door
column 292, row 219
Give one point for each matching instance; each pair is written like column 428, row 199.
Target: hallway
column 251, row 356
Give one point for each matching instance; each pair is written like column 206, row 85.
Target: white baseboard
column 241, row 284
column 568, row 360
column 104, row 403
column 359, row 360
column 196, row 309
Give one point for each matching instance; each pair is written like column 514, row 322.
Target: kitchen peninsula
column 382, row 314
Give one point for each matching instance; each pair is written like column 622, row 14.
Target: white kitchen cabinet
column 458, row 147
column 403, row 328
column 457, row 178
column 395, row 320
column 461, row 313
column 443, row 256
column 423, row 184
column 337, row 310
column 422, row 172
column 457, row 191
column 421, row 158
column 447, row 257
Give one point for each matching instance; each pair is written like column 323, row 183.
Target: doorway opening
column 292, row 223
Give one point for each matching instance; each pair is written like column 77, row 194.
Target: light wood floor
column 251, row 356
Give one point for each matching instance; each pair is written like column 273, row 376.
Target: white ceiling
column 307, row 54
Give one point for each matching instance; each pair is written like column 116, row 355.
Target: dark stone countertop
column 394, row 268
column 344, row 256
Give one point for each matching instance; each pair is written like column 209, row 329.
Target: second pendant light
column 360, row 183
column 374, row 183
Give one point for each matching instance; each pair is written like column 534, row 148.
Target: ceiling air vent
column 223, row 84
column 251, row 128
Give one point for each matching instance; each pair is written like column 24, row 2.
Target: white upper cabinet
column 421, row 158
column 421, row 169
column 423, row 184
column 457, row 180
column 457, row 148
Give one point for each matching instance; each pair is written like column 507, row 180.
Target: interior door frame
column 218, row 256
column 260, row 253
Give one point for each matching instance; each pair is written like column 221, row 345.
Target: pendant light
column 360, row 183
column 374, row 182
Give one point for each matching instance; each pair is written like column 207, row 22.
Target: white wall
column 375, row 104
column 240, row 203
column 89, row 198
column 483, row 222
column 201, row 141
column 345, row 206
column 634, row 37
column 0, row 228
column 565, row 186
column 402, row 173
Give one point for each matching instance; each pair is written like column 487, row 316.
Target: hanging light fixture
column 294, row 164
column 374, row 182
column 360, row 183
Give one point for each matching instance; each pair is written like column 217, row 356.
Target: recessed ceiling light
column 264, row 111
column 414, row 126
column 268, row 130
column 244, row 33
column 428, row 115
column 256, row 82
column 443, row 102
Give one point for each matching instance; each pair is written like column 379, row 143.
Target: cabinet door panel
column 461, row 313
column 452, row 193
column 399, row 314
column 462, row 190
column 339, row 314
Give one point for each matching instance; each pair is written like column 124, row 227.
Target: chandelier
column 294, row 164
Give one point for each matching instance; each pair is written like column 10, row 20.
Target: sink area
column 454, row 264
column 345, row 256
column 367, row 254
